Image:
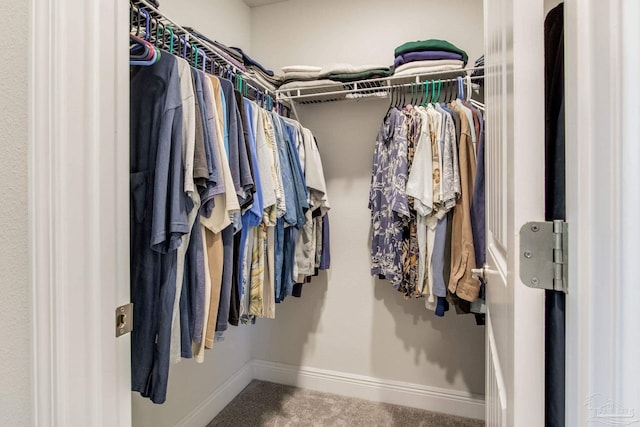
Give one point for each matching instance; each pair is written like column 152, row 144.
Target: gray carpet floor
column 274, row 405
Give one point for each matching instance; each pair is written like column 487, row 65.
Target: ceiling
column 256, row 3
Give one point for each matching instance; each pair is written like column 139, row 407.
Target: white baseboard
column 452, row 402
column 435, row 399
column 212, row 405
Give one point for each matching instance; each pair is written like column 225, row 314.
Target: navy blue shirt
column 159, row 209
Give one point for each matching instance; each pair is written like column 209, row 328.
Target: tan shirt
column 463, row 257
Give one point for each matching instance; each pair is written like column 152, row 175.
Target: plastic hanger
column 204, row 61
column 138, row 22
column 183, row 45
column 146, row 25
column 139, row 49
column 197, row 56
column 160, row 30
column 149, row 54
column 426, row 93
column 434, row 99
column 413, row 93
column 392, row 95
column 239, row 83
column 170, row 31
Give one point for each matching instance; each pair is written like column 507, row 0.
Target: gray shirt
column 238, row 156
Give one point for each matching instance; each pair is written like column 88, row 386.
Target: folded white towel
column 431, row 63
column 301, row 68
column 310, row 83
column 301, row 75
column 261, row 80
column 425, row 70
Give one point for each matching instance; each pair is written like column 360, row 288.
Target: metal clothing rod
column 182, row 37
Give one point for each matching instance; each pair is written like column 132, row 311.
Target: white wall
column 15, row 304
column 359, row 31
column 225, row 21
column 190, row 384
column 347, row 321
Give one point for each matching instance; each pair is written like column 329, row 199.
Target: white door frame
column 603, row 201
column 78, row 204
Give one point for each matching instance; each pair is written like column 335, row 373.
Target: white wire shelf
column 379, row 87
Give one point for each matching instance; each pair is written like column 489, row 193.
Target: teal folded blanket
column 431, row 44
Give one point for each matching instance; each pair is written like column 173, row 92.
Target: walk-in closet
column 349, row 333
column 391, row 215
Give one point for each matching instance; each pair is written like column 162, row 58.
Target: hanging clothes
column 422, row 218
column 228, row 214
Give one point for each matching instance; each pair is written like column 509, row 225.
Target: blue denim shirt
column 288, row 183
column 299, row 184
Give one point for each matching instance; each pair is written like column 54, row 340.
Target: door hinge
column 124, row 319
column 543, row 255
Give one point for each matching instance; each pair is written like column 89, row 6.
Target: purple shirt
column 425, row 56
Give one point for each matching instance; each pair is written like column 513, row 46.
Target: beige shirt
column 463, row 257
column 215, row 260
column 225, row 203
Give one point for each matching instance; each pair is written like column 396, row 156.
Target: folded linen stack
column 228, row 54
column 300, row 73
column 301, row 76
column 426, row 56
column 351, row 73
column 257, row 72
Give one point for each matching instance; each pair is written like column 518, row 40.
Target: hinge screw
column 535, row 281
column 535, row 228
column 528, row 254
